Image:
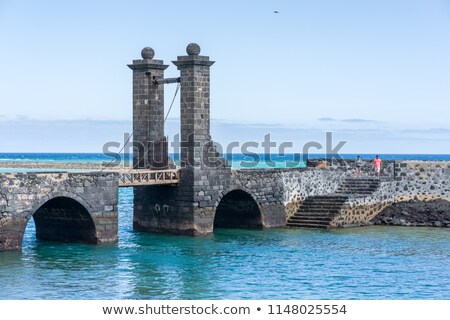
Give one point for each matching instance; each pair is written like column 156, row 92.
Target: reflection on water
column 365, row 263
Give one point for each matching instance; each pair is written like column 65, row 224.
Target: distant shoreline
column 58, row 165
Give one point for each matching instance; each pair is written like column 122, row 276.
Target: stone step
column 364, row 189
column 358, row 184
column 299, row 214
column 317, row 212
column 335, row 197
column 360, row 193
column 328, row 196
column 321, row 206
column 360, row 188
column 306, row 217
column 327, row 205
column 362, row 179
column 355, row 191
column 329, row 201
column 310, row 220
column 355, row 186
column 316, row 225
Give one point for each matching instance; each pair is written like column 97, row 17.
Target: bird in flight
column 275, row 11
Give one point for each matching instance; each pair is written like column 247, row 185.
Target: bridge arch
column 65, row 217
column 64, row 194
column 238, row 208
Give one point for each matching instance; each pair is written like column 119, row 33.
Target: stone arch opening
column 64, row 219
column 238, row 209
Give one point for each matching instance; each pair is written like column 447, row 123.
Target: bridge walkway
column 144, row 177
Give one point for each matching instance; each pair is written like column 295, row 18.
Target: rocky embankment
column 416, row 213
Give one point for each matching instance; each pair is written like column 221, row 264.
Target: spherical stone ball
column 147, row 53
column 193, row 49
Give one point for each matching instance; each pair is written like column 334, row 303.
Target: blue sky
column 376, row 73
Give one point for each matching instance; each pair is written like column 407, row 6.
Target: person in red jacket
column 377, row 165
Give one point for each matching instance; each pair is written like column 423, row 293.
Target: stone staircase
column 319, row 211
column 361, row 186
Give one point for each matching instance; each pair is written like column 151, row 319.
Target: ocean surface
column 235, row 160
column 377, row 262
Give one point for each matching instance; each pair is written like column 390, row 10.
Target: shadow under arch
column 238, row 209
column 64, row 219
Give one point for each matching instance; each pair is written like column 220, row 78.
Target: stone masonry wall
column 387, row 169
column 414, row 180
column 22, row 194
column 359, row 210
column 300, row 184
column 187, row 208
column 265, row 186
column 280, row 192
column 422, row 180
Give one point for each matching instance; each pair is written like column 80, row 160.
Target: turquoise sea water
column 354, row 263
column 235, row 160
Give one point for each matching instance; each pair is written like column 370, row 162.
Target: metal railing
column 143, row 177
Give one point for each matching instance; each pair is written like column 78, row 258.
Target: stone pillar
column 149, row 142
column 204, row 172
column 195, row 105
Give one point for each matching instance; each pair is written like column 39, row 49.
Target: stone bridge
column 210, row 194
column 205, row 192
column 267, row 198
column 82, row 207
column 75, row 207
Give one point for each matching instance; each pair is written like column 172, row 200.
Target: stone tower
column 189, row 207
column 194, row 105
column 149, row 142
